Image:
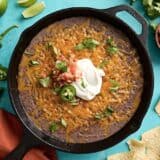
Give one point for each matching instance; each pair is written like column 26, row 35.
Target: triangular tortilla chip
column 146, row 149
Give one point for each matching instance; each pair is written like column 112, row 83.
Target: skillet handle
column 113, row 10
column 28, row 141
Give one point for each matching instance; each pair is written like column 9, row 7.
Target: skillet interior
column 133, row 124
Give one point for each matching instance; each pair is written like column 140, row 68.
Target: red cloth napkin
column 10, row 136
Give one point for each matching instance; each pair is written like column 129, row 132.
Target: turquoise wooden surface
column 13, row 16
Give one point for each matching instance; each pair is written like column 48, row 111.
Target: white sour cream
column 91, row 81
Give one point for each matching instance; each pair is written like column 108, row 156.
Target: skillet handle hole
column 130, row 20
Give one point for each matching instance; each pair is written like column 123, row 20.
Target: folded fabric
column 11, row 133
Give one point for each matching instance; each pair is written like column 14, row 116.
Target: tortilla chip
column 152, row 140
column 151, row 155
column 158, row 108
column 132, row 155
column 137, row 152
column 138, row 149
column 121, row 156
column 135, row 144
column 146, row 149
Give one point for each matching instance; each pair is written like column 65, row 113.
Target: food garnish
column 33, row 63
column 92, row 80
column 57, row 89
column 112, row 47
column 3, row 34
column 53, row 49
column 107, row 112
column 29, row 53
column 82, row 83
column 112, row 50
column 102, row 64
column 74, row 102
column 67, row 70
column 80, row 47
column 110, row 41
column 152, row 8
column 34, row 10
column 60, row 90
column 61, row 65
column 63, row 122
column 88, row 43
column 3, row 73
column 53, row 127
column 26, row 3
column 45, row 82
column 157, row 35
column 68, row 93
column 114, row 85
column 3, row 6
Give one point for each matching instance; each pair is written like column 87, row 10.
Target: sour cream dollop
column 89, row 85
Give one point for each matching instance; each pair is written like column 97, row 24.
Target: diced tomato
column 72, row 68
column 73, row 72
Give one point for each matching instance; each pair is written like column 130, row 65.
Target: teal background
column 13, row 16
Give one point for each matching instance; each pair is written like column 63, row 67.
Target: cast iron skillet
column 33, row 136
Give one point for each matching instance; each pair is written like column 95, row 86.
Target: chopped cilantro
column 53, row 127
column 83, row 84
column 112, row 47
column 115, row 85
column 64, row 123
column 45, row 82
column 107, row 112
column 87, row 43
column 33, row 63
column 103, row 63
column 53, row 49
column 61, row 65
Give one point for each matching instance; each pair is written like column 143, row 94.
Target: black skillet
column 33, row 136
